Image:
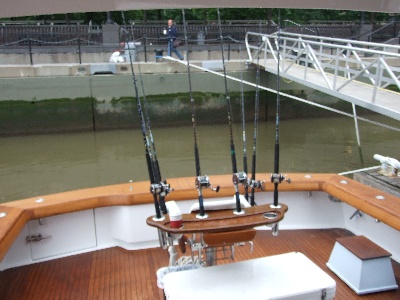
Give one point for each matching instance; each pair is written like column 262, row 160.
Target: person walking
column 172, row 34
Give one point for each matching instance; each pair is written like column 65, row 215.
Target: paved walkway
column 386, row 102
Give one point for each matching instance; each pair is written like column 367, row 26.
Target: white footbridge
column 362, row 73
column 355, row 71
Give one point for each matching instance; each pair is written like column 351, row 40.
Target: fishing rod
column 158, row 187
column 159, row 190
column 157, row 174
column 242, row 104
column 201, row 182
column 237, row 177
column 157, row 171
column 253, row 182
column 148, row 124
column 277, row 178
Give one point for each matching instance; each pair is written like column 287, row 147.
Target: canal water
column 42, row 164
column 65, row 133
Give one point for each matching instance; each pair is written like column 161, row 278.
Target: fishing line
column 237, row 177
column 201, row 181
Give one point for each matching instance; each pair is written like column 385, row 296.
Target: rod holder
column 275, row 229
column 358, row 214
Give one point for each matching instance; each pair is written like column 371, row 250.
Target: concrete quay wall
column 88, row 69
column 67, row 64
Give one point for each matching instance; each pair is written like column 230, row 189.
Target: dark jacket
column 172, row 33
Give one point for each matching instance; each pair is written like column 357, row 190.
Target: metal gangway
column 355, row 71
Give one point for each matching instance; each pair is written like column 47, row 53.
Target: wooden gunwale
column 347, row 190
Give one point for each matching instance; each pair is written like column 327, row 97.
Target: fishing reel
column 278, row 178
column 240, row 177
column 255, row 184
column 203, row 182
column 162, row 189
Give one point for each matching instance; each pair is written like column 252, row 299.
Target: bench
column 362, row 265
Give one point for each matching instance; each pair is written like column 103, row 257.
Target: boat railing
column 332, row 58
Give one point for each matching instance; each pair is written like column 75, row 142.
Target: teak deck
column 116, row 273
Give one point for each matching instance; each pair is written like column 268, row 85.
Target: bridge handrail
column 342, row 43
column 361, row 44
column 326, row 54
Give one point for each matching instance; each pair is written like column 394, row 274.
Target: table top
column 274, row 277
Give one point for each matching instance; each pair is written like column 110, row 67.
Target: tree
column 204, row 14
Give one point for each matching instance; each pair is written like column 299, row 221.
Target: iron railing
column 52, row 38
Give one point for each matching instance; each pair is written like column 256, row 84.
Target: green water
column 43, row 164
column 90, row 135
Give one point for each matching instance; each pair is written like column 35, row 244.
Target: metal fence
column 77, row 38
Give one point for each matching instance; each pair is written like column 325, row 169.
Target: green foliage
column 295, row 15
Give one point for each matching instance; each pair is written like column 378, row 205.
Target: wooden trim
column 351, row 192
column 222, row 220
column 11, row 226
column 229, row 238
column 362, row 247
column 365, row 199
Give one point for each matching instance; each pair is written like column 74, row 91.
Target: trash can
column 158, row 54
